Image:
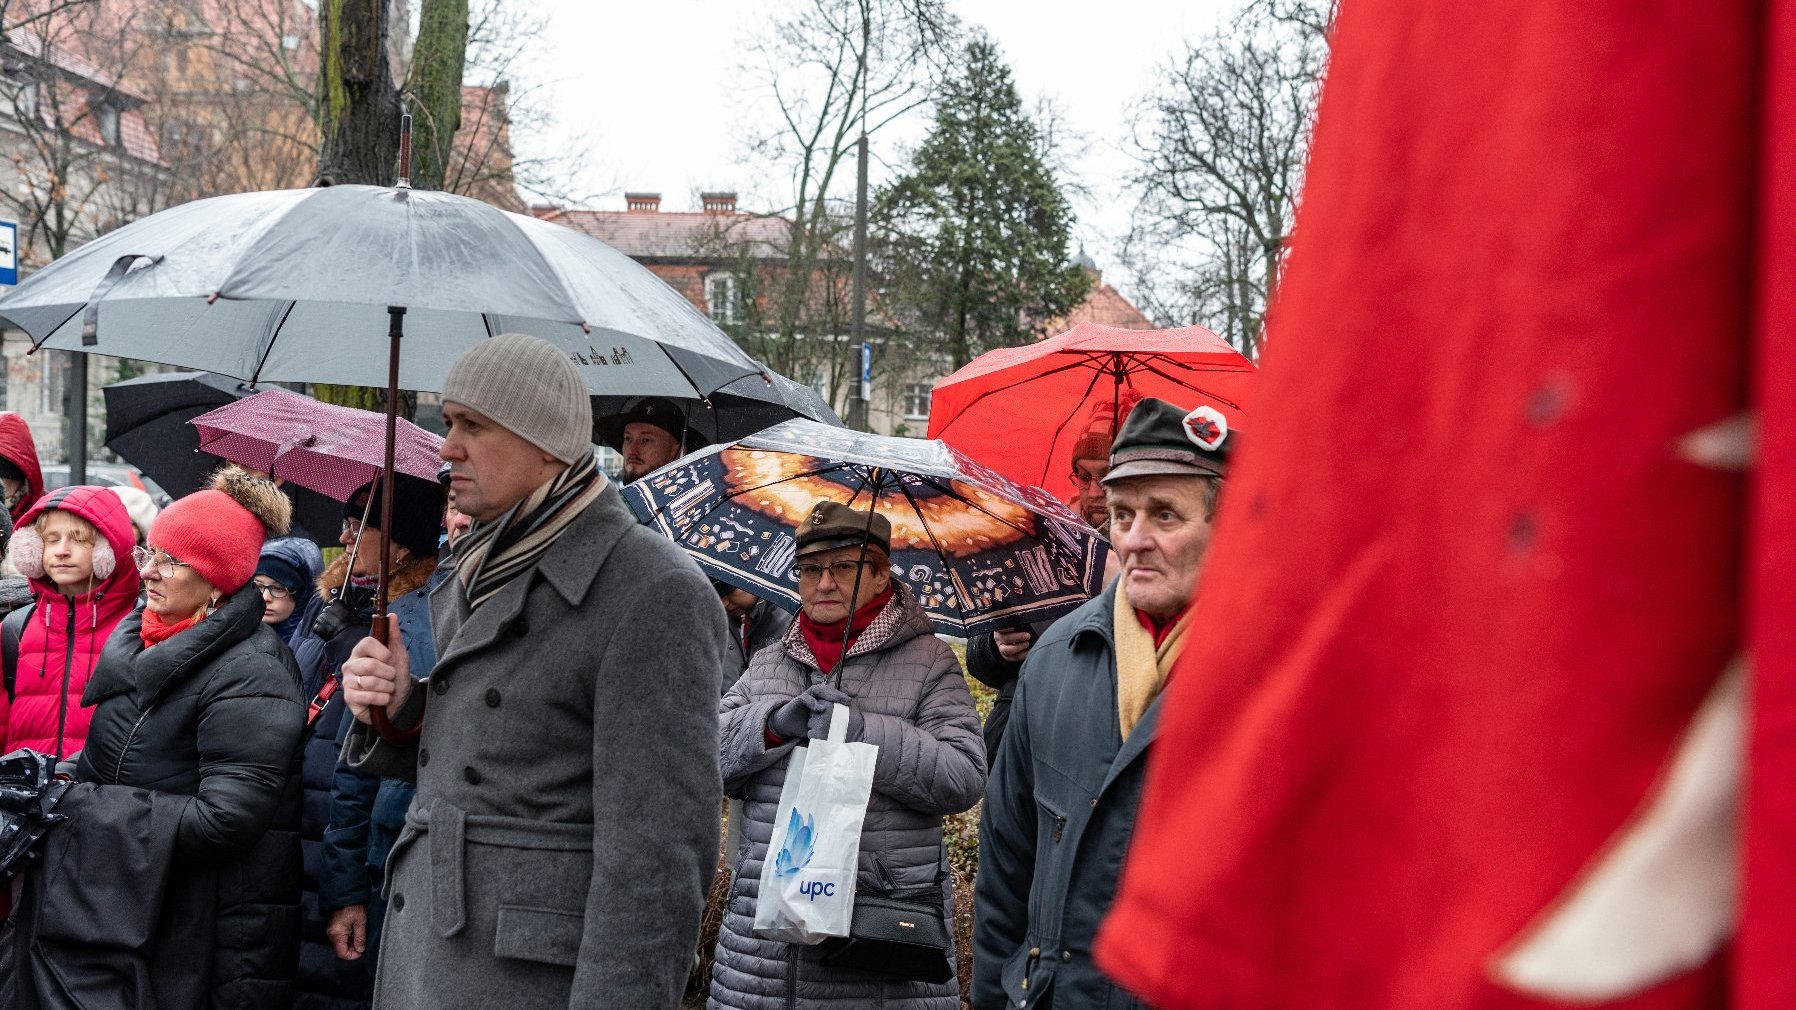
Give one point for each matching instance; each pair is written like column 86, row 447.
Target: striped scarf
column 492, row 554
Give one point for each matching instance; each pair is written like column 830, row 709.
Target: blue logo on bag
column 796, row 853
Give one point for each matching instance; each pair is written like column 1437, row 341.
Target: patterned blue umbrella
column 980, row 552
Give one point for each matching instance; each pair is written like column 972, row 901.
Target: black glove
column 791, row 720
column 818, row 729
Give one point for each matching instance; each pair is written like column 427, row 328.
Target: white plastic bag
column 807, row 882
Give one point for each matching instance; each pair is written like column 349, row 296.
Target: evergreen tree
column 974, row 238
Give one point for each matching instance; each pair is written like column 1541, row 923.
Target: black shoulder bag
column 899, row 933
column 12, row 630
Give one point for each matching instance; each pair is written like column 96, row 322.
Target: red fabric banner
column 1453, row 727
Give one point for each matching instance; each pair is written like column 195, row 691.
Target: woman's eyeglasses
column 149, row 559
column 274, row 590
column 840, row 571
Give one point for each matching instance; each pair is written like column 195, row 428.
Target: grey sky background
column 654, row 93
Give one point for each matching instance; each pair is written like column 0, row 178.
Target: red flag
column 1455, row 726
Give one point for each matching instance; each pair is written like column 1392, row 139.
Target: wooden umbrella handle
column 377, row 717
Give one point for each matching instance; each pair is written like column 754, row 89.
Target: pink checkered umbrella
column 321, row 446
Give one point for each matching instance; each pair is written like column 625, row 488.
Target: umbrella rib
column 38, row 345
column 1055, row 441
column 950, row 491
column 1181, row 382
column 923, row 521
column 1020, row 382
column 256, row 375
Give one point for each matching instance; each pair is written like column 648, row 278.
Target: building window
column 107, row 116
column 916, row 401
column 721, row 297
column 290, row 42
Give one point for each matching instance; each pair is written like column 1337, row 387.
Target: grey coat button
column 492, row 697
column 472, row 774
column 423, row 757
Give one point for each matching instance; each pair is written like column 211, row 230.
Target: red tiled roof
column 1105, row 307
column 677, row 235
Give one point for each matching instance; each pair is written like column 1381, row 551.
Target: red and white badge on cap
column 1206, row 428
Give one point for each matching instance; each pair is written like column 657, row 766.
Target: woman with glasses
column 197, row 721
column 860, row 640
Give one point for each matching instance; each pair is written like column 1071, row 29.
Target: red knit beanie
column 216, row 531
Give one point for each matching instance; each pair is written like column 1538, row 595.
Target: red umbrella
column 330, row 449
column 1019, row 410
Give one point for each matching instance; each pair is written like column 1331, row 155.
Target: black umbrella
column 736, row 410
column 147, row 424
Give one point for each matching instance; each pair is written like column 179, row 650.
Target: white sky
column 652, row 90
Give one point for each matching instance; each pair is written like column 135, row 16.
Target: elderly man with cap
column 565, row 829
column 650, row 435
column 1066, row 782
column 860, row 640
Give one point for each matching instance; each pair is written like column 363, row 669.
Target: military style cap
column 656, row 410
column 833, row 524
column 1161, row 439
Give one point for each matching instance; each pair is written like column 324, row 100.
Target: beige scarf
column 1141, row 669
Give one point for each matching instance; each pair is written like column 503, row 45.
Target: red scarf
column 1155, row 628
column 825, row 640
column 155, row 629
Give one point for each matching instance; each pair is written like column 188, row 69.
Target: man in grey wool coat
column 565, row 828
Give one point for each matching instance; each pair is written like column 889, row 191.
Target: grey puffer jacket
column 916, row 708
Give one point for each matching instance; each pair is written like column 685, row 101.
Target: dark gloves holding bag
column 818, row 728
column 807, row 716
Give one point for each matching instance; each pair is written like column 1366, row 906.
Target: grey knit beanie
column 530, row 388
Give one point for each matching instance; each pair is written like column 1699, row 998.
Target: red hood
column 18, row 448
column 106, row 510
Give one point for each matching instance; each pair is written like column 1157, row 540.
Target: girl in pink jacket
column 75, row 547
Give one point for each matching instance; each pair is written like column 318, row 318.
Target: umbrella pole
column 377, row 716
column 395, row 331
column 855, row 590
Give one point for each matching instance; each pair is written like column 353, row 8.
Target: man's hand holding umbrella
column 377, row 675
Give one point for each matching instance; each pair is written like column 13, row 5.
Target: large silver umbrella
column 296, row 285
column 299, row 285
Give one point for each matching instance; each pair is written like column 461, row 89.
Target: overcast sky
column 650, row 89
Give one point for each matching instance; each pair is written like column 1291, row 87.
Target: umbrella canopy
column 1019, row 410
column 330, row 449
column 147, row 424
column 736, row 410
column 294, row 285
column 980, row 552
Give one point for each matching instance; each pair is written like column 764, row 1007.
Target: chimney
column 719, row 203
column 647, row 203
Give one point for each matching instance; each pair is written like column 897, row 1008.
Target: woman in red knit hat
column 195, row 699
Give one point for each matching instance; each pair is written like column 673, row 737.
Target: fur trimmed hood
column 407, row 578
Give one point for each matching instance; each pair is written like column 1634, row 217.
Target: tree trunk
column 437, row 60
column 358, row 103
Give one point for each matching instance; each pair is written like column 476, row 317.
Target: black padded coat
column 215, row 714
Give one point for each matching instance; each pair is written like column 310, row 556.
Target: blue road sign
column 9, row 252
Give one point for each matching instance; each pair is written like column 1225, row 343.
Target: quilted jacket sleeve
column 742, row 720
column 936, row 763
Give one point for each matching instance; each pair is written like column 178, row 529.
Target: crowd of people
column 510, row 795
